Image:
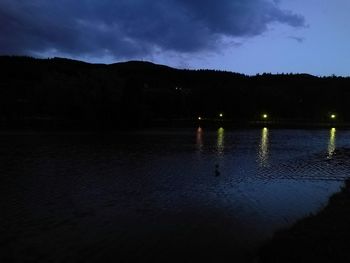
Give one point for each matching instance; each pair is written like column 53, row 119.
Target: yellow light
column 265, row 116
column 221, row 115
column 333, row 116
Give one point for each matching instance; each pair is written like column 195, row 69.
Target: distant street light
column 221, row 115
column 264, row 116
column 333, row 116
column 199, row 118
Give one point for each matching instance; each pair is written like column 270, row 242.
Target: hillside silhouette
column 63, row 93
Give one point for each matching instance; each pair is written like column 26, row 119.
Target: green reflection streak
column 220, row 141
column 263, row 154
column 331, row 143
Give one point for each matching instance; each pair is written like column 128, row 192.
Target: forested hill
column 67, row 92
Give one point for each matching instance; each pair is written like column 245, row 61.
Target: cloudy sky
column 247, row 36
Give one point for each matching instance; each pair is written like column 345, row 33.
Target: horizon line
column 176, row 68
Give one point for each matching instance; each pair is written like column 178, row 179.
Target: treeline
column 62, row 92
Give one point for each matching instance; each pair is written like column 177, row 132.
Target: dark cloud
column 297, row 39
column 129, row 28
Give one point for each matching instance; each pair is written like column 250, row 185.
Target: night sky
column 247, row 36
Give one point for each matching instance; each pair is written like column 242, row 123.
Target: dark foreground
column 324, row 237
column 156, row 196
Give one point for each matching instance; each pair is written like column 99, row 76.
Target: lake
column 181, row 195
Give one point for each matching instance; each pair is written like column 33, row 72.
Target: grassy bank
column 324, row 237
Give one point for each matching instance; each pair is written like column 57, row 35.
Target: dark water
column 183, row 195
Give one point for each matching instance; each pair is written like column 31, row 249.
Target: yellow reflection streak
column 220, row 141
column 199, row 139
column 263, row 153
column 331, row 143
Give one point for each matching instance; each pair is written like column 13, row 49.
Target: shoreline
column 167, row 124
column 322, row 237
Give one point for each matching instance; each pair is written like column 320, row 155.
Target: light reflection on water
column 133, row 186
column 263, row 152
column 199, row 139
column 220, row 141
column 331, row 143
